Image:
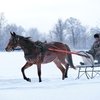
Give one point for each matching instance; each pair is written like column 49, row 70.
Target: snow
column 52, row 87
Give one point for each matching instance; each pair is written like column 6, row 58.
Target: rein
column 68, row 52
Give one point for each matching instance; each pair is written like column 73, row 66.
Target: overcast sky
column 43, row 14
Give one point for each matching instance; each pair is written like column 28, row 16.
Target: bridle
column 15, row 42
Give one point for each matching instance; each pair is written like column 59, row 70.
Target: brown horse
column 38, row 53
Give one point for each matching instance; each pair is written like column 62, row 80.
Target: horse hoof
column 66, row 76
column 28, row 79
column 40, row 81
column 63, row 78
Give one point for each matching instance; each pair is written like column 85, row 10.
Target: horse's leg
column 66, row 66
column 23, row 69
column 66, row 72
column 39, row 72
column 62, row 69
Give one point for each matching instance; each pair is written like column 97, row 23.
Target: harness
column 41, row 46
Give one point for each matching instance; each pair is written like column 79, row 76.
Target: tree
column 58, row 31
column 75, row 29
column 6, row 33
column 33, row 33
column 94, row 30
column 14, row 28
column 2, row 24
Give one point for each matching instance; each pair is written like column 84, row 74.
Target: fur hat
column 96, row 35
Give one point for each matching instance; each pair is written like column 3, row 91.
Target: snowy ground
column 13, row 87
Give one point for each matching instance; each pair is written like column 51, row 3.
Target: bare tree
column 33, row 33
column 58, row 31
column 2, row 24
column 75, row 29
column 2, row 21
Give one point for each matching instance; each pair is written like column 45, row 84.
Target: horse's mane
column 28, row 42
column 27, row 39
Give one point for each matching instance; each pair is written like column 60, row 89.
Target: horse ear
column 14, row 34
column 11, row 33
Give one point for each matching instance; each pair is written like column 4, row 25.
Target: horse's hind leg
column 62, row 69
column 23, row 69
column 66, row 72
column 66, row 67
column 39, row 72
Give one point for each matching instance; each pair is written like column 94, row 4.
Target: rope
column 68, row 52
column 92, row 63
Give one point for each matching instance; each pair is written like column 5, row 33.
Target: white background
column 43, row 14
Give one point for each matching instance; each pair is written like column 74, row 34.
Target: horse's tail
column 69, row 58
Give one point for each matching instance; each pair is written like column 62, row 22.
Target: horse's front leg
column 39, row 72
column 23, row 69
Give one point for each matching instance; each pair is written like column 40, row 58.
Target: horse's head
column 13, row 42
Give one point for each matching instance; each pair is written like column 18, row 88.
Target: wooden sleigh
column 88, row 67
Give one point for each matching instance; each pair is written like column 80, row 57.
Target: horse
column 39, row 53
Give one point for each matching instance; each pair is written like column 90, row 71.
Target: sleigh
column 89, row 67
